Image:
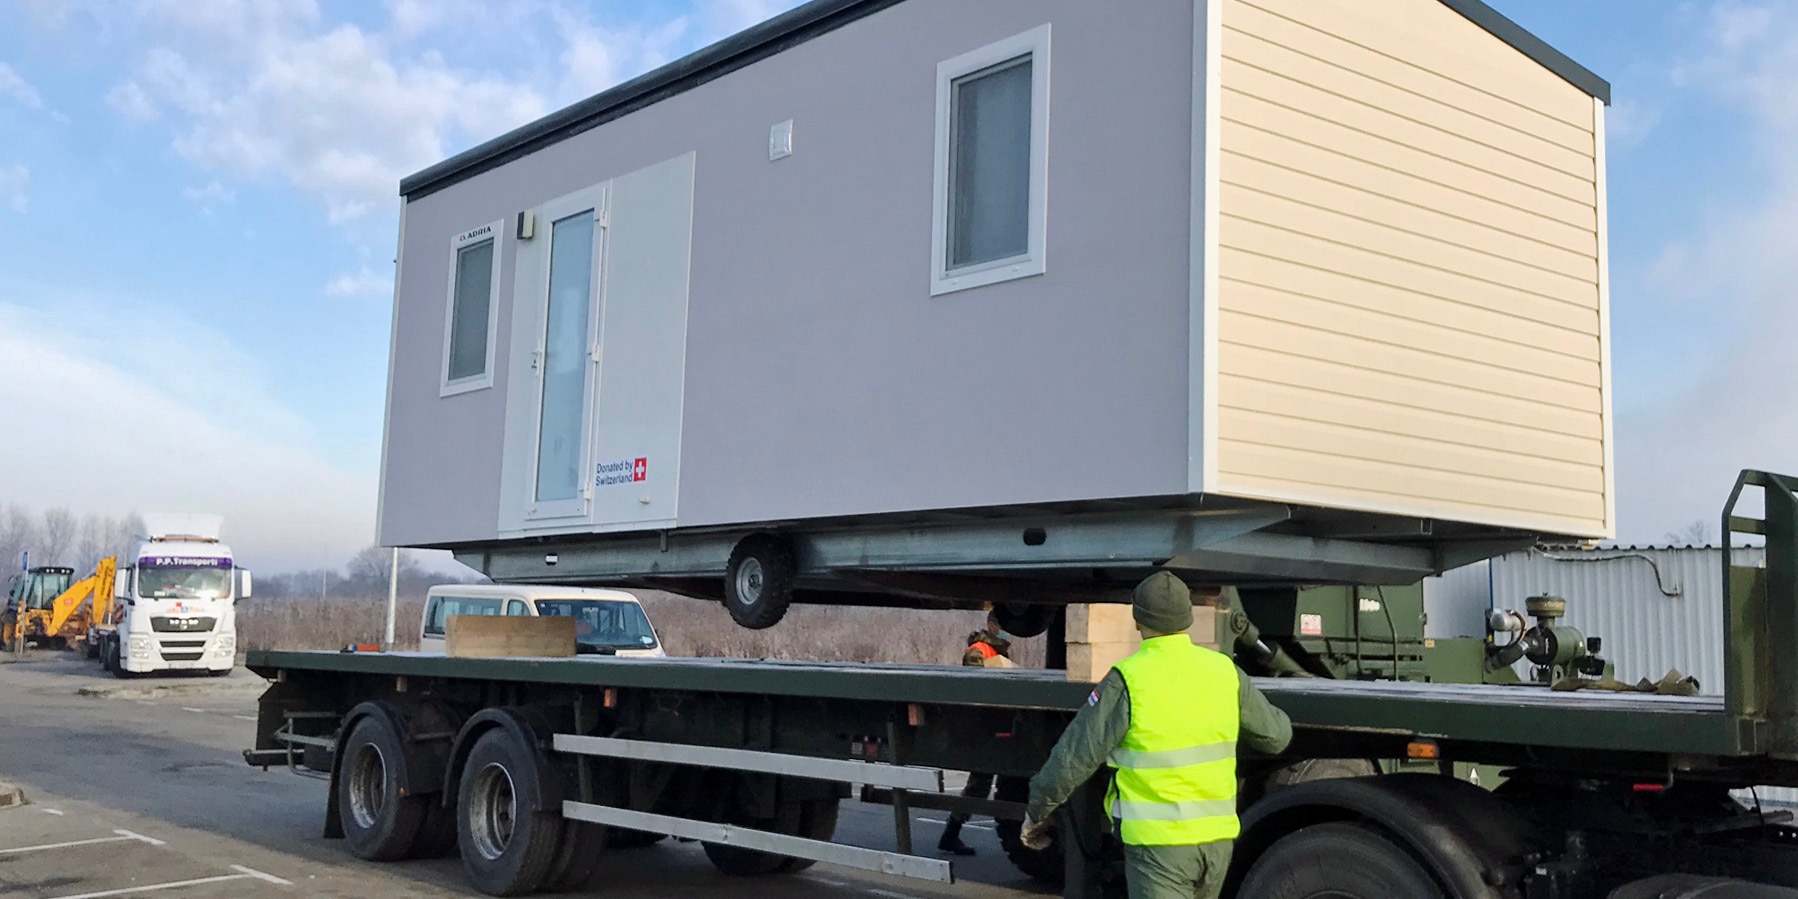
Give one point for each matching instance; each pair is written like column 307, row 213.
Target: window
column 603, row 623
column 991, row 164
column 468, row 333
column 442, row 607
column 516, row 608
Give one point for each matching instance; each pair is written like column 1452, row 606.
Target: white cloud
column 189, row 431
column 1628, row 122
column 597, row 58
column 15, row 182
column 1678, row 455
column 14, row 85
column 210, row 195
column 132, row 102
column 360, row 283
column 730, row 16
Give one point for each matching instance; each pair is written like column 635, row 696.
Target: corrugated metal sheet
column 1655, row 608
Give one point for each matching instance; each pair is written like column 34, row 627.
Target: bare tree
column 1698, row 533
column 58, row 535
column 370, row 567
column 18, row 534
column 90, row 546
column 123, row 535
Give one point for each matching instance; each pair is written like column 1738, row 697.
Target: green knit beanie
column 1162, row 603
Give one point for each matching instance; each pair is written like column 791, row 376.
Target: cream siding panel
column 1430, row 37
column 1506, row 328
column 1300, row 403
column 1241, row 110
column 1408, row 308
column 1408, row 74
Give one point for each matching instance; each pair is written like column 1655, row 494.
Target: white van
column 607, row 622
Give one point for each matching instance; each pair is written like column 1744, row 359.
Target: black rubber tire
column 817, row 821
column 1320, row 769
column 578, row 854
column 620, row 838
column 758, row 581
column 517, row 861
column 117, row 663
column 1024, row 620
column 1047, row 865
column 437, row 835
column 91, row 649
column 378, row 823
column 1340, row 860
column 214, row 672
column 736, row 861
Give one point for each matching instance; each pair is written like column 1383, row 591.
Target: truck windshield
column 209, row 581
column 611, row 624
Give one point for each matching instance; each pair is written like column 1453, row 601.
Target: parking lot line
column 174, row 884
column 23, row 849
column 259, row 875
column 140, row 838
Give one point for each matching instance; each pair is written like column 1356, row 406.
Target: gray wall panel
column 822, row 377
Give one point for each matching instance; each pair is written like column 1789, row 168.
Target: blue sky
column 198, row 203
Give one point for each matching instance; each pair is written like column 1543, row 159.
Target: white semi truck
column 175, row 605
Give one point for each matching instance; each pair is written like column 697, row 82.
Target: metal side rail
column 918, row 867
column 900, row 782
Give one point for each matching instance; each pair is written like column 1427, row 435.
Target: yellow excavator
column 44, row 607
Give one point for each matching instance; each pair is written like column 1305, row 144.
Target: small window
column 991, row 164
column 516, row 608
column 468, row 334
column 442, row 607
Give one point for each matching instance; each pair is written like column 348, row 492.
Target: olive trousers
column 1177, row 872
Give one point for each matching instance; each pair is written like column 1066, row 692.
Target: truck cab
column 607, row 622
column 176, row 603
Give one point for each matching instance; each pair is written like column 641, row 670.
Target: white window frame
column 1035, row 44
column 495, row 231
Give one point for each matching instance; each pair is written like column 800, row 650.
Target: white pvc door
column 566, row 359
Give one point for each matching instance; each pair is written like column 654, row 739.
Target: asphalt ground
column 139, row 788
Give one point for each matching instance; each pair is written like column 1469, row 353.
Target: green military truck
column 534, row 767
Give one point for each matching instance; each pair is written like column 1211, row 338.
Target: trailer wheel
column 739, row 862
column 1338, row 860
column 578, row 854
column 1047, row 865
column 1024, row 619
column 378, row 823
column 817, row 821
column 507, row 847
column 758, row 581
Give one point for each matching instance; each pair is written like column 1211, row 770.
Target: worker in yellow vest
column 1168, row 720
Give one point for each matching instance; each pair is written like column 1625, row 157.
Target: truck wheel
column 437, row 835
column 817, row 821
column 739, row 862
column 758, row 581
column 1338, row 860
column 578, row 853
column 506, row 847
column 1047, row 865
column 378, row 823
column 1024, row 620
column 115, row 663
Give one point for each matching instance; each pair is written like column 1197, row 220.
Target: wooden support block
column 497, row 636
column 1088, row 662
column 1100, row 623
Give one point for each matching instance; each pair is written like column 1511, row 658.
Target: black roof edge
column 799, row 25
column 1532, row 46
column 787, row 30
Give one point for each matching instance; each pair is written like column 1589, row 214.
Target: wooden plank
column 1099, row 623
column 494, row 636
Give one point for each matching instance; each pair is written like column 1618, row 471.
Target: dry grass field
column 689, row 627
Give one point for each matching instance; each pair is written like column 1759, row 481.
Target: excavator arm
column 97, row 587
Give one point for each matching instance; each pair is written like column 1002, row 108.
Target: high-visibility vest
column 1175, row 780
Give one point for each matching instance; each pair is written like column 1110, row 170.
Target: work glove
column 1035, row 834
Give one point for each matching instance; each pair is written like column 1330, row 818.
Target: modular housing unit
column 920, row 261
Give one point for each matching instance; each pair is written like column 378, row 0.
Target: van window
column 517, row 607
column 442, row 607
column 603, row 623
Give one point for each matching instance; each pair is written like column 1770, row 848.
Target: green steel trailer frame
column 1599, row 791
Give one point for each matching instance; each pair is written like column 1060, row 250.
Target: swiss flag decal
column 640, row 471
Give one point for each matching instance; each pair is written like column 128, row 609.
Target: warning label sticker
column 1311, row 625
column 621, row 471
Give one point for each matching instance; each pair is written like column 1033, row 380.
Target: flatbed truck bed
column 1597, row 792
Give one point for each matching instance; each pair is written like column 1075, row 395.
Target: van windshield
column 605, row 623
